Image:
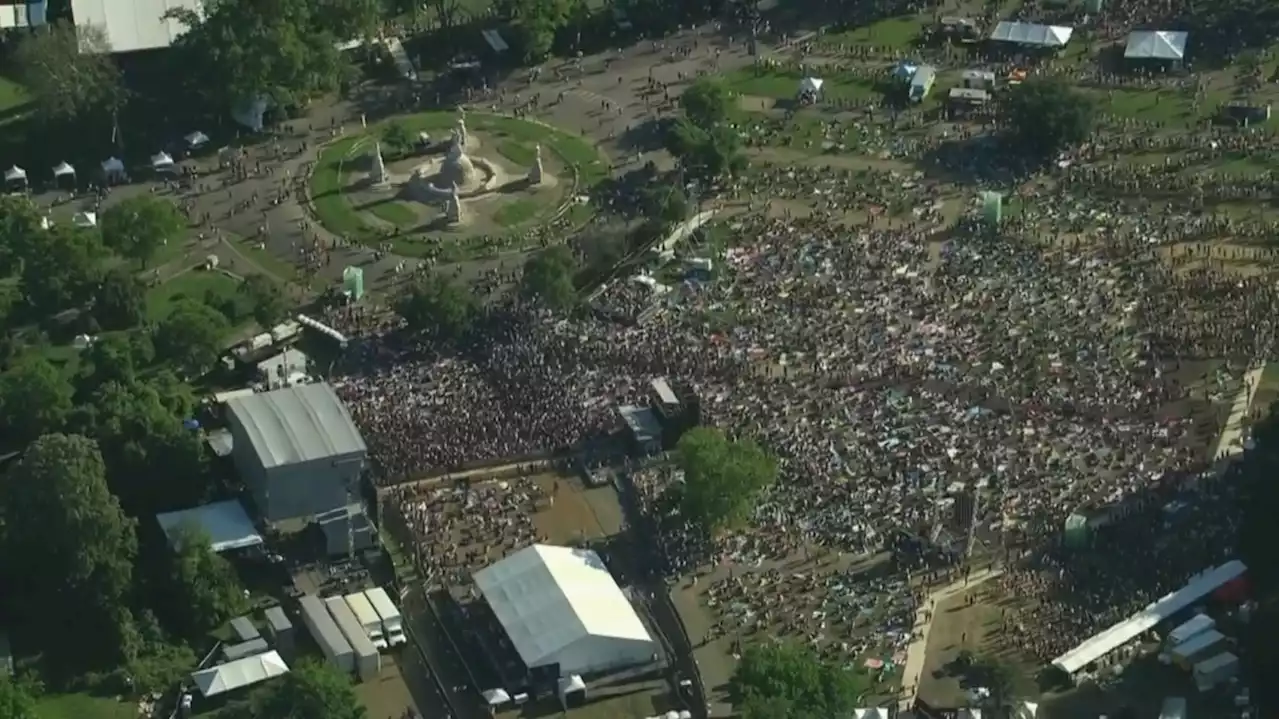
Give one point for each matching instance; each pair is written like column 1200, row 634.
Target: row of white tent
column 112, row 166
column 1141, row 44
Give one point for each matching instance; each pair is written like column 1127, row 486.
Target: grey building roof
column 297, row 424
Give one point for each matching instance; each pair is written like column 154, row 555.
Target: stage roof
column 226, row 523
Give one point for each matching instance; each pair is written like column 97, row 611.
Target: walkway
column 917, row 650
column 1231, row 441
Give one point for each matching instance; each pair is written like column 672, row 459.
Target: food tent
column 1032, row 35
column 113, row 168
column 811, row 85
column 64, row 170
column 15, row 176
column 196, row 140
column 1156, row 45
column 161, row 161
column 85, row 219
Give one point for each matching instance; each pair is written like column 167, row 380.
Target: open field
column 83, row 706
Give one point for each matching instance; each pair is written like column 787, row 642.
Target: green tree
column 548, row 278
column 20, row 232
column 120, row 302
column 65, row 272
column 437, row 306
column 1255, row 543
column 706, row 155
column 1044, row 115
column 113, row 358
column 204, row 590
column 790, row 681
column 243, row 50
column 66, row 536
column 722, row 478
column 707, row 103
column 139, row 226
column 35, row 399
column 311, row 690
column 70, row 72
column 397, row 137
column 535, row 23
column 191, row 337
column 667, row 203
column 266, row 298
column 16, row 701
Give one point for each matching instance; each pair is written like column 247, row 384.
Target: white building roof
column 1156, row 45
column 1023, row 33
column 238, row 674
column 550, row 598
column 226, row 523
column 297, row 424
column 131, row 25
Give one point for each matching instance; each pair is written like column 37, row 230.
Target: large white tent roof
column 548, row 598
column 14, row 174
column 131, row 25
column 1023, row 33
column 1156, row 45
column 226, row 523
column 238, row 674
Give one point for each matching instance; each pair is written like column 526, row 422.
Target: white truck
column 369, row 619
column 392, row 624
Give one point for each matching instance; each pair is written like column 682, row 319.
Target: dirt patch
column 969, row 621
column 755, row 103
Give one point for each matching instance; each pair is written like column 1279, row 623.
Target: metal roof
column 1156, row 45
column 1023, row 33
column 131, row 25
column 297, row 424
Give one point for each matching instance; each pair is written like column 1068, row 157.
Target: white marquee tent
column 64, row 170
column 15, row 175
column 1027, row 710
column 560, row 605
column 240, row 673
column 1156, row 45
column 811, row 84
column 196, row 139
column 1023, row 33
column 85, row 219
column 871, row 713
column 112, row 167
column 161, row 161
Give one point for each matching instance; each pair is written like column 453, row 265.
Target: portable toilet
column 992, row 208
column 353, row 283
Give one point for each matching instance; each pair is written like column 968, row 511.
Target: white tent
column 872, row 713
column 811, row 84
column 238, row 674
column 495, row 697
column 112, row 166
column 64, row 169
column 15, row 174
column 85, row 219
column 1156, row 45
column 1027, row 710
column 560, row 605
column 196, row 139
column 570, row 684
column 1023, row 33
column 161, row 161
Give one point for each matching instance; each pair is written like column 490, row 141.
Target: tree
column 112, row 358
column 397, row 137
column 267, row 300
column 70, row 73
column 310, row 690
column 204, row 589
column 535, row 23
column 20, row 232
column 667, row 203
column 1256, row 546
column 191, row 336
column 789, row 681
column 706, row 155
column 548, row 278
column 437, row 306
column 121, row 300
column 16, row 702
column 66, row 536
column 707, row 103
column 1043, row 116
column 140, row 225
column 245, row 50
column 65, row 272
column 722, row 478
column 35, row 399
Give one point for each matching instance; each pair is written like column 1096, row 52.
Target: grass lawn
column 896, row 32
column 397, row 213
column 783, row 83
column 516, row 152
column 12, row 96
column 517, row 212
column 266, row 259
column 193, row 285
column 83, row 706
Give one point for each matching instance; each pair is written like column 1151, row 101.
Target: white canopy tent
column 811, row 84
column 1156, row 45
column 1027, row 710
column 112, row 167
column 1023, row 33
column 238, row 674
column 15, row 176
column 570, row 684
column 196, row 139
column 495, row 697
column 871, row 713
column 161, row 161
column 64, row 169
column 85, row 219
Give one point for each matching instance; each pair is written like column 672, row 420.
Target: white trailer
column 367, row 659
column 392, row 624
column 1173, row 708
column 1204, row 644
column 325, row 631
column 1188, row 629
column 368, row 618
column 1215, row 670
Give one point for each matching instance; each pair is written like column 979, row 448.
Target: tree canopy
column 66, row 270
column 548, row 278
column 35, row 399
column 438, row 306
column 120, row 302
column 191, row 336
column 535, row 23
column 267, row 300
column 310, row 690
column 707, row 103
column 790, row 681
column 137, row 227
column 1044, row 115
column 1256, row 545
column 16, row 702
column 722, row 478
column 69, row 71
column 204, row 589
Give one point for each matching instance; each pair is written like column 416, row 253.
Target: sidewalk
column 1231, row 441
column 917, row 649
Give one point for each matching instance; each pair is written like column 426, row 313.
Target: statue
column 453, row 206
column 535, row 172
column 461, row 131
column 379, row 172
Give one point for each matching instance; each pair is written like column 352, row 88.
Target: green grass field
column 784, row 83
column 517, row 212
column 193, row 285
column 83, row 706
column 397, row 213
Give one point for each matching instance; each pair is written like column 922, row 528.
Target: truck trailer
column 367, row 660
column 369, row 619
column 337, row 650
column 392, row 624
